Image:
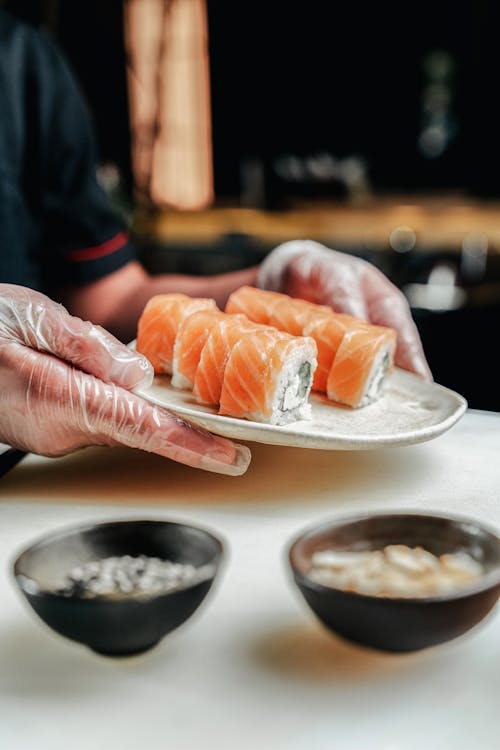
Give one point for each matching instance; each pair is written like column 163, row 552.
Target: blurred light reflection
column 474, row 256
column 402, row 239
column 440, row 293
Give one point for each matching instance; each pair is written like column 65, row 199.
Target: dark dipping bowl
column 115, row 626
column 399, row 624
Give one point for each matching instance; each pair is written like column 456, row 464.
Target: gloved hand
column 307, row 269
column 65, row 384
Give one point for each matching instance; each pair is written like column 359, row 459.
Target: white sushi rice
column 178, row 379
column 290, row 402
column 290, row 399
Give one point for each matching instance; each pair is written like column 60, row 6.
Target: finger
column 347, row 301
column 275, row 267
column 410, row 356
column 95, row 351
column 342, row 290
column 328, row 278
column 120, row 417
column 56, row 409
column 40, row 323
column 388, row 306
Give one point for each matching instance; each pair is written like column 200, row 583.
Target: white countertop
column 252, row 668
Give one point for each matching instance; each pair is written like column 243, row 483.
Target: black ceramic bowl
column 115, row 626
column 399, row 624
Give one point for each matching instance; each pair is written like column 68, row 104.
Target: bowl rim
column 487, row 582
column 30, row 586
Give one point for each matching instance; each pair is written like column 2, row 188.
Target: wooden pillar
column 169, row 90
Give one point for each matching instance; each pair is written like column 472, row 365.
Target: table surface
column 252, row 668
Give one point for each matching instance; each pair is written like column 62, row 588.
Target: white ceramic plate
column 411, row 411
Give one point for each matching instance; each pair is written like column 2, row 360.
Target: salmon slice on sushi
column 268, row 377
column 365, row 356
column 293, row 315
column 256, row 304
column 158, row 325
column 191, row 338
column 328, row 331
column 214, row 355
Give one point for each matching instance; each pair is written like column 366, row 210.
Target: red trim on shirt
column 99, row 251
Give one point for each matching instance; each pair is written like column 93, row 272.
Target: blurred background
column 225, row 128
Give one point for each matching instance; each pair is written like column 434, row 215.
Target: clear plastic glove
column 307, row 269
column 65, row 384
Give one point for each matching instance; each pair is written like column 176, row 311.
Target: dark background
column 342, row 78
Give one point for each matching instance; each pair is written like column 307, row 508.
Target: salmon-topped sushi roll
column 328, row 331
column 293, row 315
column 158, row 325
column 214, row 355
column 268, row 377
column 256, row 304
column 358, row 373
column 191, row 337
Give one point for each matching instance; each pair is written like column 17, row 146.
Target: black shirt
column 56, row 225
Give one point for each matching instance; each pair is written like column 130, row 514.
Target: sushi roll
column 190, row 340
column 268, row 377
column 256, row 304
column 293, row 315
column 158, row 325
column 365, row 355
column 214, row 355
column 328, row 331
column 353, row 356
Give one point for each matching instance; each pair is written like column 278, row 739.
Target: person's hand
column 307, row 269
column 65, row 384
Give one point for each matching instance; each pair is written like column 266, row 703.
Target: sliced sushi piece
column 158, row 325
column 256, row 304
column 328, row 331
column 214, row 355
column 190, row 340
column 358, row 373
column 299, row 317
column 268, row 377
column 292, row 315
